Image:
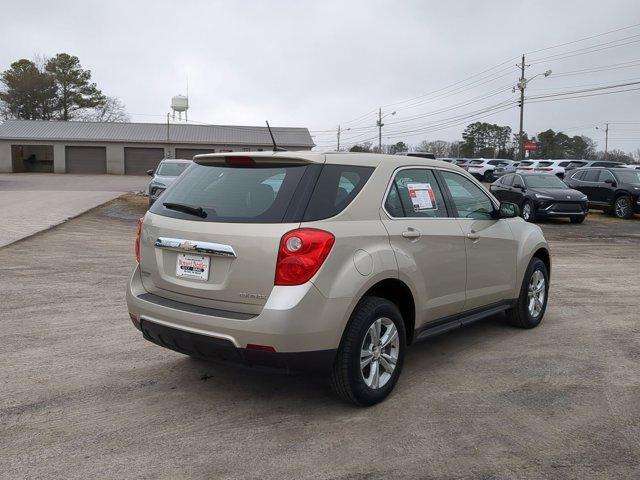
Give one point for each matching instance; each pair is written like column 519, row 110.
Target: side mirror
column 150, row 172
column 507, row 210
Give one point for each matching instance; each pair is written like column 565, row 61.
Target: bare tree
column 439, row 148
column 113, row 110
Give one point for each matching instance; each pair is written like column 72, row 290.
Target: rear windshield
column 262, row 194
column 476, row 162
column 526, row 164
column 545, row 164
column 576, row 164
column 171, row 169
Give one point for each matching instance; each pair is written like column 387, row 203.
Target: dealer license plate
column 193, row 266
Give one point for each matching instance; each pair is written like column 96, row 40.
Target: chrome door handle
column 473, row 236
column 411, row 233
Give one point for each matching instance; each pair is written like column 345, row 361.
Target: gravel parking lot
column 83, row 395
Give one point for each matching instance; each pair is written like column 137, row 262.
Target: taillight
column 301, row 254
column 138, row 233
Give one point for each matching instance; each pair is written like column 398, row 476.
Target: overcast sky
column 323, row 63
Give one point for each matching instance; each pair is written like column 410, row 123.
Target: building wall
column 115, row 152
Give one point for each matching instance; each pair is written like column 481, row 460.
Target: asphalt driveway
column 32, row 202
column 83, row 395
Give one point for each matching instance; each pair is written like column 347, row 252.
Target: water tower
column 180, row 104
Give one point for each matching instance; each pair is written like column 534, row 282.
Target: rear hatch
column 526, row 165
column 544, row 167
column 213, row 237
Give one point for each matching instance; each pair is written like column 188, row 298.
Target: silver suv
column 329, row 262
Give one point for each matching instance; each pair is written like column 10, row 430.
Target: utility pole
column 380, row 130
column 522, row 84
column 606, row 140
column 338, row 149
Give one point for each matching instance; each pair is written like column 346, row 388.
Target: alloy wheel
column 526, row 211
column 536, row 293
column 379, row 353
column 622, row 207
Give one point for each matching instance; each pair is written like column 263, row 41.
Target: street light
column 339, row 130
column 380, row 125
column 522, row 85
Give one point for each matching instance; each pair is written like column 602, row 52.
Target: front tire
column 528, row 211
column 534, row 293
column 371, row 353
column 622, row 207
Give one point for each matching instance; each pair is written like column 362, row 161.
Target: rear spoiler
column 248, row 160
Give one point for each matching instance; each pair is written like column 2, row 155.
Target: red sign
column 530, row 146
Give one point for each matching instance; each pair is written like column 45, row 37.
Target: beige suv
column 329, row 262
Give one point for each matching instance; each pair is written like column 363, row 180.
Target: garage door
column 138, row 160
column 86, row 159
column 189, row 153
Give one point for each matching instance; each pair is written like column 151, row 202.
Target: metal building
column 127, row 148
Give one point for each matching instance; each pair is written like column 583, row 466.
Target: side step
column 466, row 318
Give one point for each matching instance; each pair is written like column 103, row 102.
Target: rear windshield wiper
column 190, row 209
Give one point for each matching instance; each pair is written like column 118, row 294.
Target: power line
column 583, row 39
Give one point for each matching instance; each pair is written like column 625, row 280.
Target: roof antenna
column 276, row 148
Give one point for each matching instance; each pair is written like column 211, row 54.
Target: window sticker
column 422, row 196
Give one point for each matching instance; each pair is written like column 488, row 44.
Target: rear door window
column 337, row 186
column 415, row 193
column 591, row 176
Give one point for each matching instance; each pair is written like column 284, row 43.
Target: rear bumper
column 294, row 320
column 217, row 349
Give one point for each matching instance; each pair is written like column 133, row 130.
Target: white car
column 483, row 168
column 554, row 167
column 527, row 166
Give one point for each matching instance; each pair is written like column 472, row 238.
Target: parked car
column 592, row 163
column 483, row 169
column 164, row 175
column 614, row 190
column 554, row 167
column 501, row 170
column 354, row 257
column 448, row 160
column 541, row 195
column 527, row 166
column 462, row 163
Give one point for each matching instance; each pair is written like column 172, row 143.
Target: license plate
column 192, row 266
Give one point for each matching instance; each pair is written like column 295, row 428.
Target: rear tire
column 534, row 293
column 353, row 379
column 488, row 176
column 579, row 219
